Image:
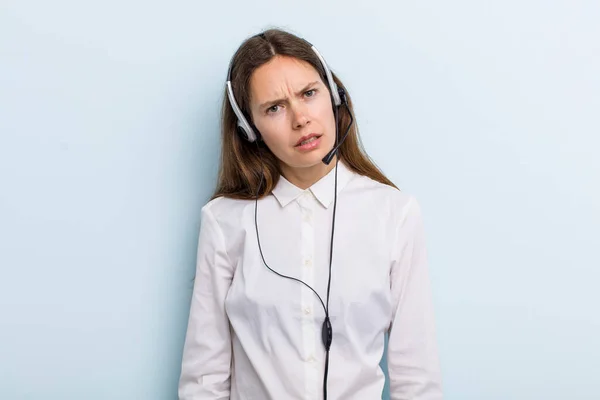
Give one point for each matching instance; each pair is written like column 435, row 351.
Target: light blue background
column 487, row 111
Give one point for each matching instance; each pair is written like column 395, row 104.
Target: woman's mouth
column 309, row 144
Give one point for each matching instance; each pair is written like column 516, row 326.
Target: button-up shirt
column 253, row 335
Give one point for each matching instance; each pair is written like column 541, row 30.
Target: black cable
column 260, row 247
column 326, row 331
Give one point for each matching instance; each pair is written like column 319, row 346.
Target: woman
column 294, row 292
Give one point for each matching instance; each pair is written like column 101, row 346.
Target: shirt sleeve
column 206, row 363
column 413, row 364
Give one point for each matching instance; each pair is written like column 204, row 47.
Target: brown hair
column 240, row 165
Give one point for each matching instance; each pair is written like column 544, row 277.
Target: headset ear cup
column 251, row 137
column 241, row 132
column 342, row 94
column 255, row 133
column 247, row 136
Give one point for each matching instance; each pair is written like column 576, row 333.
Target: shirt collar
column 286, row 192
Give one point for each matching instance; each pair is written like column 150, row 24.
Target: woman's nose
column 300, row 117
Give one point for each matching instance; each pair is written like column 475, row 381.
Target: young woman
column 308, row 255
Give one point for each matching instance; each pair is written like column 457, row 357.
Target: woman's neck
column 306, row 177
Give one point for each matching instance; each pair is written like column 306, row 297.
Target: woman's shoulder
column 396, row 206
column 384, row 194
column 226, row 208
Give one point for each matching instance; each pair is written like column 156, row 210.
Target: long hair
column 243, row 162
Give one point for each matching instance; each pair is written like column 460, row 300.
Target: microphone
column 329, row 156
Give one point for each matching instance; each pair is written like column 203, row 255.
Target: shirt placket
column 306, row 202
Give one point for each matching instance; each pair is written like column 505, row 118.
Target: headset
column 248, row 132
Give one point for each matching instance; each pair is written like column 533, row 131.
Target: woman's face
column 289, row 102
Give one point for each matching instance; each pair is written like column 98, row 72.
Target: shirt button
column 307, row 310
column 308, row 262
column 312, row 359
column 307, row 218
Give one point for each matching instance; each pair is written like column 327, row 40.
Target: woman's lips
column 312, row 143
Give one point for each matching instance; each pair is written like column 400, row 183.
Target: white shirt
column 253, row 335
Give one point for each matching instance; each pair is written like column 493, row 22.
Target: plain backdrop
column 486, row 111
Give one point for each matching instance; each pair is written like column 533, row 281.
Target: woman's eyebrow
column 270, row 102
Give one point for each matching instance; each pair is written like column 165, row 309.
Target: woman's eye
column 310, row 93
column 272, row 109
